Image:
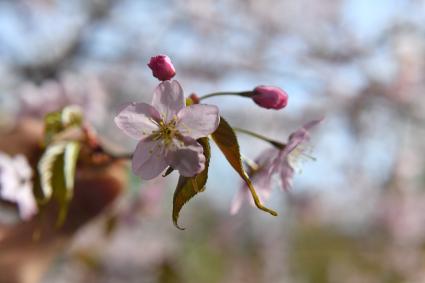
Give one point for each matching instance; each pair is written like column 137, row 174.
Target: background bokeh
column 356, row 215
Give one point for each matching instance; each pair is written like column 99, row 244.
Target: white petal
column 168, row 99
column 198, row 120
column 188, row 158
column 137, row 120
column 149, row 159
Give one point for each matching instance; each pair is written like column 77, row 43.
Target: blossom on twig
column 168, row 131
column 275, row 161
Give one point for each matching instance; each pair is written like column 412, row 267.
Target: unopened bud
column 162, row 68
column 195, row 99
column 270, row 97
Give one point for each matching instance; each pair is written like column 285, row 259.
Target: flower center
column 301, row 154
column 166, row 132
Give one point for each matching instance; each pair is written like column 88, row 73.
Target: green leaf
column 226, row 140
column 72, row 115
column 56, row 167
column 72, row 150
column 60, row 193
column 56, row 170
column 57, row 122
column 52, row 126
column 46, row 168
column 187, row 187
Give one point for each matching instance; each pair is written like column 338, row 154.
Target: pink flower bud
column 162, row 68
column 270, row 97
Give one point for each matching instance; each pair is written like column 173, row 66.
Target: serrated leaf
column 187, row 187
column 56, row 167
column 56, row 170
column 57, row 122
column 52, row 126
column 60, row 193
column 46, row 167
column 71, row 115
column 227, row 142
column 72, row 150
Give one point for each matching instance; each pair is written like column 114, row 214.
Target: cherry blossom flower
column 261, row 177
column 167, row 132
column 16, row 185
column 273, row 162
column 284, row 163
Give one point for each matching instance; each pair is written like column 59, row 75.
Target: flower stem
column 257, row 201
column 122, row 156
column 253, row 166
column 276, row 144
column 242, row 93
column 115, row 156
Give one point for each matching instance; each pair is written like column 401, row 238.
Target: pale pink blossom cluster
column 16, row 184
column 52, row 95
column 168, row 130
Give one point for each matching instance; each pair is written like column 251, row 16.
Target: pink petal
column 137, row 120
column 301, row 135
column 286, row 176
column 313, row 123
column 261, row 185
column 242, row 195
column 26, row 202
column 188, row 159
column 266, row 157
column 198, row 120
column 261, row 179
column 168, row 99
column 149, row 159
column 22, row 167
column 10, row 182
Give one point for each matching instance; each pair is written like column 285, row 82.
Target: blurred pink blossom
column 146, row 202
column 261, row 178
column 284, row 162
column 274, row 161
column 167, row 131
column 52, row 95
column 404, row 215
column 16, row 185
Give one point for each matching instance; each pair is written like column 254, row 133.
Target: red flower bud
column 195, row 98
column 162, row 68
column 270, row 97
